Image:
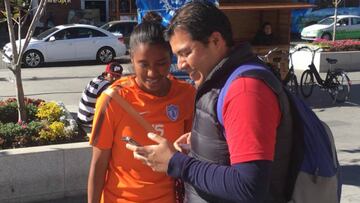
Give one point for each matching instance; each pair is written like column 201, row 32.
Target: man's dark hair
column 200, row 19
column 150, row 31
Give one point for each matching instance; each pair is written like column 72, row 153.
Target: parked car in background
column 72, row 42
column 124, row 27
column 347, row 27
column 305, row 17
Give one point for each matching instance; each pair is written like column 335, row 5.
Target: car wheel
column 32, row 58
column 326, row 36
column 105, row 55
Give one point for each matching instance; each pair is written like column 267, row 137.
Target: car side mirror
column 51, row 39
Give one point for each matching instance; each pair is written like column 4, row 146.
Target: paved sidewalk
column 66, row 84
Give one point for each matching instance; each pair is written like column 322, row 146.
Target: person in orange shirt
column 163, row 101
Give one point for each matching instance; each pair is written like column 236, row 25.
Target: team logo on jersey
column 172, row 111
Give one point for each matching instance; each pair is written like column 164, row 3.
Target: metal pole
column 335, row 20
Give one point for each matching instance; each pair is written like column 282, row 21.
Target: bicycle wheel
column 293, row 85
column 307, row 83
column 340, row 89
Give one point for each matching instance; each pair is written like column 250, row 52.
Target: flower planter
column 48, row 123
column 44, row 173
column 347, row 60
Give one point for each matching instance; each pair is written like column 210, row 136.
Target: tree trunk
column 335, row 20
column 17, row 53
column 20, row 97
column 16, row 70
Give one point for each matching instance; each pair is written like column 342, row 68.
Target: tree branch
column 11, row 31
column 27, row 13
column 23, row 19
column 29, row 34
column 11, row 69
column 14, row 19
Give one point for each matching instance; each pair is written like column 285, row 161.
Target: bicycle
column 290, row 80
column 336, row 83
column 266, row 60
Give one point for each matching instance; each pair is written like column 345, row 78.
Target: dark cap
column 114, row 68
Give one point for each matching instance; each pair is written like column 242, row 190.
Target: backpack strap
column 111, row 92
column 252, row 70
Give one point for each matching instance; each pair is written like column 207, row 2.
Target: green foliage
column 10, row 130
column 50, row 111
column 54, row 131
column 14, row 135
column 9, row 112
column 34, row 127
column 17, row 7
column 31, row 111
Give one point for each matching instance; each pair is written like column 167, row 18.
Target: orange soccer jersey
column 129, row 180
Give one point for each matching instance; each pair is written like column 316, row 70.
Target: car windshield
column 326, row 21
column 106, row 26
column 46, row 33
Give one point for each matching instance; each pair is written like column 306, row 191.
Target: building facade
column 95, row 12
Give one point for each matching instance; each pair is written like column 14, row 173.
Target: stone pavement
column 65, row 82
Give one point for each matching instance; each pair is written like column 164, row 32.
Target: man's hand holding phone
column 130, row 140
column 155, row 156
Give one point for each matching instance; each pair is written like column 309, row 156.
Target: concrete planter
column 347, row 60
column 48, row 172
column 44, row 173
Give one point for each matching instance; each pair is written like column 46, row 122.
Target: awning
column 265, row 6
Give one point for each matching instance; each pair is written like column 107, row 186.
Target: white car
column 347, row 27
column 124, row 27
column 73, row 42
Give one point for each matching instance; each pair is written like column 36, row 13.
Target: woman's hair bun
column 152, row 16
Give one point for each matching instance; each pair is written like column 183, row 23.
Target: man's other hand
column 182, row 144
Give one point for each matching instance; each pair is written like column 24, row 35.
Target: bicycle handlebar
column 308, row 48
column 300, row 48
column 265, row 57
column 271, row 51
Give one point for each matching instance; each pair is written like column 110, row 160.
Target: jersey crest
column 172, row 111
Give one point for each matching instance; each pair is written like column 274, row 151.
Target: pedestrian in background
column 92, row 91
column 265, row 36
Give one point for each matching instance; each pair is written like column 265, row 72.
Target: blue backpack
column 317, row 175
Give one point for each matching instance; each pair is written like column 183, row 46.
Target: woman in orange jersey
column 163, row 101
